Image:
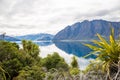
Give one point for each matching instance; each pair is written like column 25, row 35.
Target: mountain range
column 76, row 48
column 36, row 37
column 87, row 30
column 8, row 38
column 33, row 37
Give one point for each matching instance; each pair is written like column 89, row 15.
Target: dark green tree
column 74, row 70
column 7, row 51
column 14, row 59
column 31, row 48
column 9, row 54
column 31, row 73
column 74, row 63
column 2, row 73
column 54, row 61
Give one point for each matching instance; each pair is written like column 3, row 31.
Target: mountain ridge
column 87, row 30
column 8, row 38
column 37, row 37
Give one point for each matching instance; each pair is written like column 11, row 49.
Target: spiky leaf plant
column 107, row 52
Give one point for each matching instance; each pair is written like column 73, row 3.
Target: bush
column 54, row 61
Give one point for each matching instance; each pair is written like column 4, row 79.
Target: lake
column 67, row 49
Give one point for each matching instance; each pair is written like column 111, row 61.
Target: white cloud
column 52, row 15
column 45, row 50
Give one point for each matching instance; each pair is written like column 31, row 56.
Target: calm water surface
column 66, row 49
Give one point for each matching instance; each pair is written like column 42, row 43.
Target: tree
column 14, row 59
column 12, row 67
column 54, row 61
column 74, row 63
column 9, row 54
column 74, row 70
column 7, row 51
column 2, row 73
column 31, row 73
column 31, row 48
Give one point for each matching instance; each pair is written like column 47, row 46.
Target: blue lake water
column 67, row 49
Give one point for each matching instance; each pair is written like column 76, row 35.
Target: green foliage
column 74, row 71
column 31, row 48
column 9, row 54
column 31, row 73
column 25, row 64
column 74, row 63
column 12, row 66
column 14, row 59
column 54, row 61
column 107, row 52
column 15, row 45
column 2, row 73
column 26, row 59
column 7, row 51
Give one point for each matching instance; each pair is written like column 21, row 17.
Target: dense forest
column 24, row 63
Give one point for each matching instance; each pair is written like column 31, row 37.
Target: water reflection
column 45, row 43
column 76, row 48
column 40, row 43
column 66, row 50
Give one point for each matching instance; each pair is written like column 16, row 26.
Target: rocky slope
column 87, row 30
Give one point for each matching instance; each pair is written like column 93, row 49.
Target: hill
column 87, row 30
column 9, row 38
column 36, row 37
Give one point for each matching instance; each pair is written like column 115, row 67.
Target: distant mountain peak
column 87, row 30
column 39, row 36
column 86, row 21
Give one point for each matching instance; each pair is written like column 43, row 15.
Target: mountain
column 87, row 30
column 75, row 48
column 8, row 38
column 46, row 37
column 44, row 43
column 37, row 37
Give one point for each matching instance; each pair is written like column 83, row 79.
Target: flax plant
column 108, row 53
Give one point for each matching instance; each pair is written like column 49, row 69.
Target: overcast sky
column 18, row 17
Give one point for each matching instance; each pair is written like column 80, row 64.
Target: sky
column 19, row 17
column 82, row 62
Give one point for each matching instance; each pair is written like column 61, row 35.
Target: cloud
column 68, row 57
column 53, row 15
